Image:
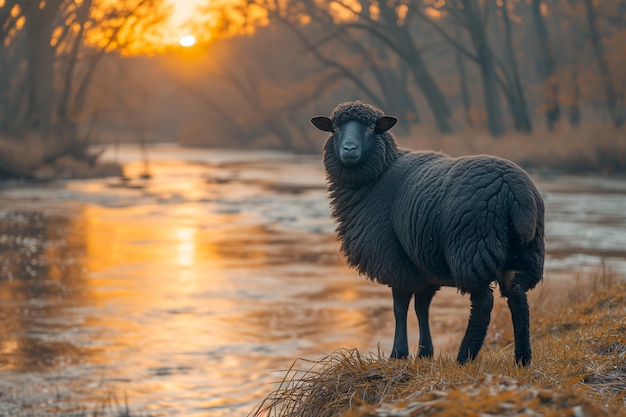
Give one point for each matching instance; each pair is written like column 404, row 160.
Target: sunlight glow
column 187, row 41
column 186, row 246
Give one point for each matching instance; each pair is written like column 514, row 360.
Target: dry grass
column 578, row 369
column 588, row 149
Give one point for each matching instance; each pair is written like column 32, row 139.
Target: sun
column 187, row 41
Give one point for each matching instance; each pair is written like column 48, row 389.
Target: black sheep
column 417, row 221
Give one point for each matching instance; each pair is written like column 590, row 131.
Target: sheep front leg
column 401, row 300
column 480, row 316
column 518, row 304
column 422, row 305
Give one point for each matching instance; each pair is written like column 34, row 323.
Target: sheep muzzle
column 349, row 139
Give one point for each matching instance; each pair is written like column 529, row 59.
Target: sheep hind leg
column 480, row 316
column 401, row 300
column 518, row 304
column 422, row 305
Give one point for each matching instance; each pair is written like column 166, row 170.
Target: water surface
column 188, row 293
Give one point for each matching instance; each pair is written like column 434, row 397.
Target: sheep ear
column 323, row 123
column 385, row 123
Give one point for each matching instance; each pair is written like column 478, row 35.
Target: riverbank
column 32, row 158
column 588, row 150
column 578, row 369
column 591, row 149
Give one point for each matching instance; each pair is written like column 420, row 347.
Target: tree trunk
column 488, row 74
column 547, row 66
column 607, row 80
column 432, row 93
column 411, row 54
column 64, row 114
column 521, row 119
column 573, row 108
column 13, row 87
column 428, row 86
column 465, row 97
column 40, row 66
column 492, row 96
column 393, row 84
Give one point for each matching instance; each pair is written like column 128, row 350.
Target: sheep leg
column 518, row 304
column 422, row 305
column 401, row 300
column 480, row 315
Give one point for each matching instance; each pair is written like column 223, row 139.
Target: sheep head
column 354, row 139
column 360, row 147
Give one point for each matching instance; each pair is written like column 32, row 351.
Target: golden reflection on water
column 186, row 246
column 179, row 308
column 179, row 302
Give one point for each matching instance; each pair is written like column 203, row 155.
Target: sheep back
column 469, row 219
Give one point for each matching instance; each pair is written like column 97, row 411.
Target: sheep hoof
column 523, row 359
column 398, row 355
column 465, row 356
column 425, row 353
column 462, row 361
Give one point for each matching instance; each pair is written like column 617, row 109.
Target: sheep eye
column 371, row 128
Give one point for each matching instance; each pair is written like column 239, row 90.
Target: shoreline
column 603, row 164
column 578, row 369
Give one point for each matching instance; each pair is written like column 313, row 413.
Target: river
column 191, row 292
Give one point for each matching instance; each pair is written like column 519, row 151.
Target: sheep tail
column 525, row 212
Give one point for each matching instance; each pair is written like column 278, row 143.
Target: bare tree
column 390, row 91
column 51, row 94
column 381, row 45
column 381, row 52
column 396, row 35
column 473, row 16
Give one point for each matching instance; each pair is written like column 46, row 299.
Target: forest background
column 538, row 81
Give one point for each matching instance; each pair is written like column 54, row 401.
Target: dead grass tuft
column 339, row 381
column 578, row 369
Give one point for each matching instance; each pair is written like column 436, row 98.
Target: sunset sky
column 183, row 12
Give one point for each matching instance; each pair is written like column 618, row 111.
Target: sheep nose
column 349, row 148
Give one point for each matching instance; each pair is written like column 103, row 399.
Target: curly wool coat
column 410, row 219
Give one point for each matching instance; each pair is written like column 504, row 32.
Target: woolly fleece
column 412, row 219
